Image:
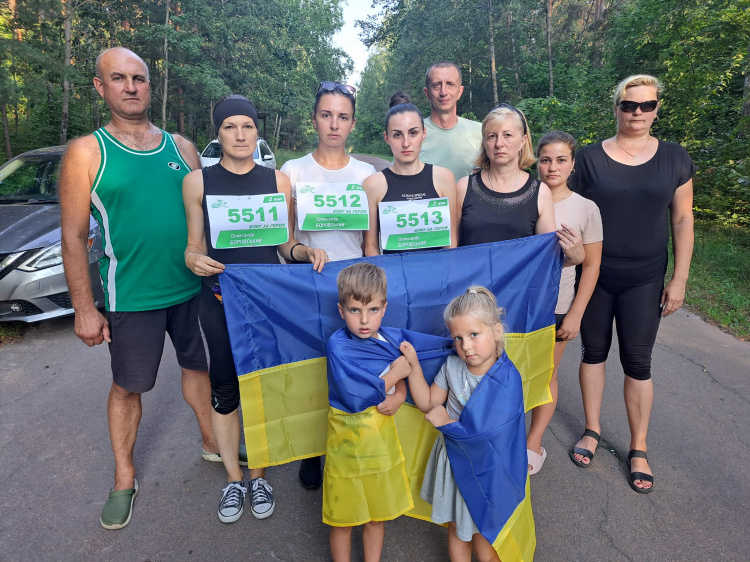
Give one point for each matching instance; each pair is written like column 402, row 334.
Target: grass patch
column 719, row 286
column 12, row 331
column 283, row 154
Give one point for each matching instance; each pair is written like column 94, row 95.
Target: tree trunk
column 68, row 23
column 598, row 10
column 492, row 52
column 6, row 132
column 548, row 32
column 166, row 73
column 513, row 51
column 278, row 136
column 746, row 104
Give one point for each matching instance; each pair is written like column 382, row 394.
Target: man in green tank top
column 128, row 175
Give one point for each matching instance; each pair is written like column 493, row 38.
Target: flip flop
column 636, row 453
column 536, row 460
column 585, row 452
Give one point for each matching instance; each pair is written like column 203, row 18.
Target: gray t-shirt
column 455, row 377
column 456, row 148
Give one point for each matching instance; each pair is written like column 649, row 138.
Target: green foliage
column 275, row 52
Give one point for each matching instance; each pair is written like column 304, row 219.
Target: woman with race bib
column 412, row 204
column 329, row 201
column 221, row 201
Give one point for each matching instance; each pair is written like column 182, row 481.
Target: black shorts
column 225, row 386
column 558, row 322
column 636, row 313
column 138, row 343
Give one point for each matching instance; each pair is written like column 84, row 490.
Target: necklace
column 515, row 183
column 633, row 156
column 338, row 165
column 133, row 140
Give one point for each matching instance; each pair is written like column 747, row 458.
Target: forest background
column 557, row 60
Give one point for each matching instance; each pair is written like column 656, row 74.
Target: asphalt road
column 56, row 467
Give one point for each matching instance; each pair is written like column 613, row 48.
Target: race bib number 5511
column 246, row 221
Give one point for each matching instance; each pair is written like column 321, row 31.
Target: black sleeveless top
column 217, row 180
column 489, row 216
column 409, row 188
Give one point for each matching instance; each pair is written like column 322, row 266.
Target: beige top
column 583, row 215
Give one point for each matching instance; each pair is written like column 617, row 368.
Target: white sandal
column 536, row 460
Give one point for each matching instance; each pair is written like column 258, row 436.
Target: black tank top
column 217, row 180
column 409, row 188
column 489, row 216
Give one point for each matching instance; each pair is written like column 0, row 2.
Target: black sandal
column 585, row 452
column 640, row 475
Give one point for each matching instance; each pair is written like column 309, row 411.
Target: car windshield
column 213, row 150
column 30, row 179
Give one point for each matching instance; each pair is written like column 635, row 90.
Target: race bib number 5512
column 331, row 206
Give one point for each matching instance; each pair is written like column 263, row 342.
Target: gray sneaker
column 261, row 498
column 230, row 508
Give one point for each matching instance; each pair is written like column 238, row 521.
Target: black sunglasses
column 345, row 89
column 631, row 106
column 508, row 106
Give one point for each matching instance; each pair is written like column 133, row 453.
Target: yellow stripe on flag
column 364, row 478
column 533, row 356
column 284, row 411
column 517, row 540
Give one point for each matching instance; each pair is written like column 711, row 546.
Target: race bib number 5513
column 246, row 221
column 412, row 225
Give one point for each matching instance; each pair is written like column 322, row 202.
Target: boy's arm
column 399, row 370
column 393, row 402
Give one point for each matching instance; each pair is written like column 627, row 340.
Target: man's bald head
column 113, row 54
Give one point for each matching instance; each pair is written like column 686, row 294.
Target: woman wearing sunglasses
column 639, row 183
column 333, row 119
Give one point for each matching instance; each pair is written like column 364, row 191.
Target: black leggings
column 636, row 313
column 225, row 387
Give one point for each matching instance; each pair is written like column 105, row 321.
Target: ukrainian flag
column 365, row 472
column 279, row 318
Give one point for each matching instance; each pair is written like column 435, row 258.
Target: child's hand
column 438, row 416
column 409, row 352
column 401, row 367
column 391, row 404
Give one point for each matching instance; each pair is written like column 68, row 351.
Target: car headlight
column 9, row 259
column 48, row 257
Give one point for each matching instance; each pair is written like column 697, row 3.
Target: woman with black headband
column 212, row 242
column 330, row 170
column 640, row 184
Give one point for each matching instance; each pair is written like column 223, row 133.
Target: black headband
column 514, row 110
column 230, row 107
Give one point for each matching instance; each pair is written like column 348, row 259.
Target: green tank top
column 137, row 201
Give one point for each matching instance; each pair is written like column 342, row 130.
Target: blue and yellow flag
column 486, row 448
column 365, row 475
column 280, row 316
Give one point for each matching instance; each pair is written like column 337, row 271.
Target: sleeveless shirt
column 217, row 180
column 489, row 216
column 137, row 201
column 409, row 188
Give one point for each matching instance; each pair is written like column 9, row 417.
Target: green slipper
column 216, row 457
column 117, row 511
